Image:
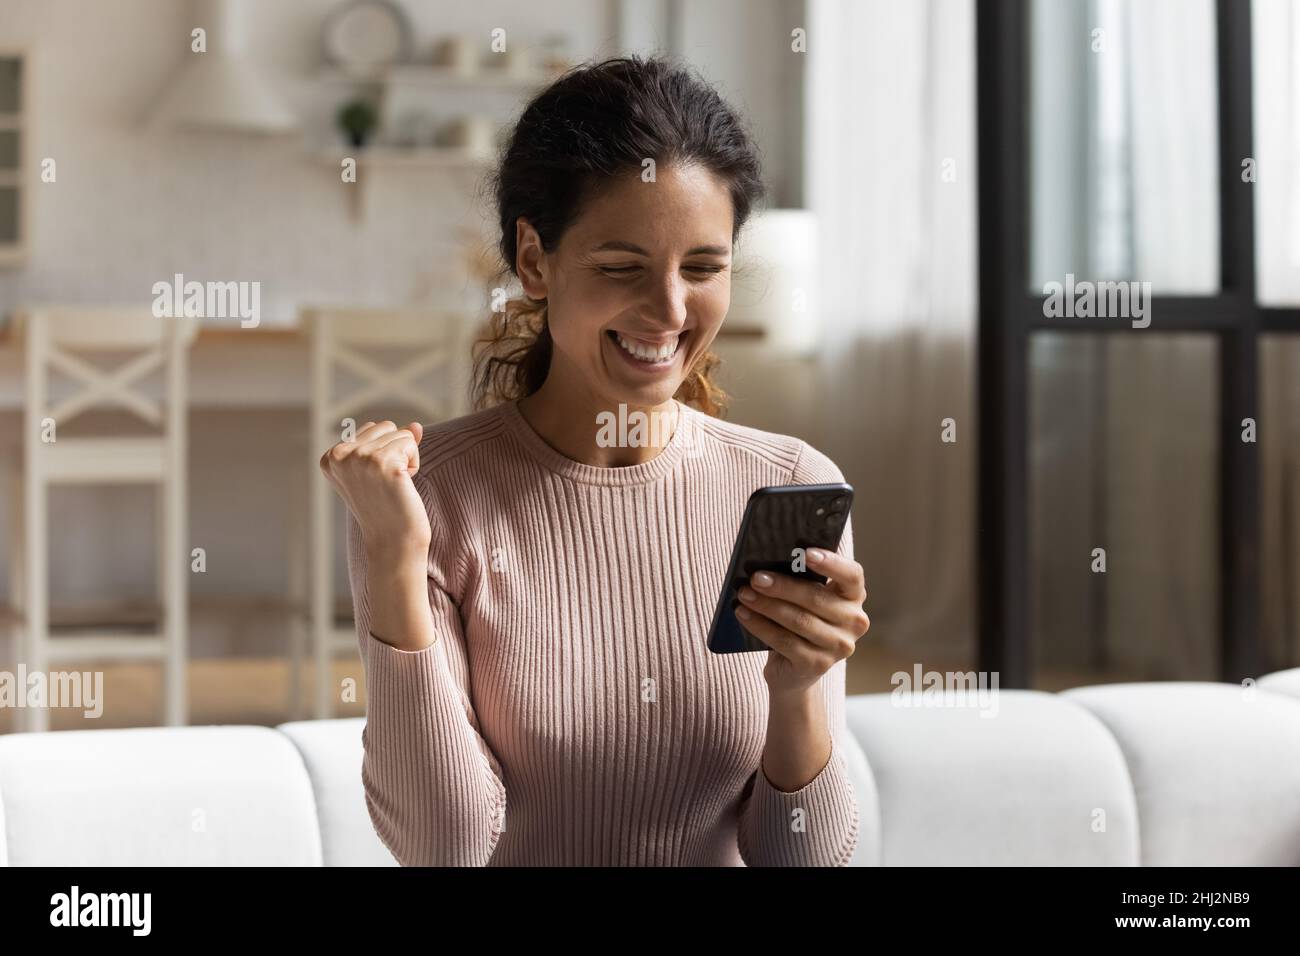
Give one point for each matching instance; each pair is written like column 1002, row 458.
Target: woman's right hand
column 372, row 474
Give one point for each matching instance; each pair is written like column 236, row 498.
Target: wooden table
column 273, row 362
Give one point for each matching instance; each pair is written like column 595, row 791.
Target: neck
column 581, row 426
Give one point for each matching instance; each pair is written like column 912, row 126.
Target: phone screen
column 781, row 523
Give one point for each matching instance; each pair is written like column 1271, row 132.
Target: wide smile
column 658, row 355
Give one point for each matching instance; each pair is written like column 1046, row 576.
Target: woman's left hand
column 809, row 627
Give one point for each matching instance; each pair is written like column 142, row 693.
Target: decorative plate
column 365, row 35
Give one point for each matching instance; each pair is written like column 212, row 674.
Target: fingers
column 798, row 621
column 403, row 442
column 379, row 434
column 342, row 450
column 373, row 442
column 769, row 632
column 789, row 645
column 820, row 599
column 375, row 434
column 371, row 432
column 812, row 596
column 846, row 575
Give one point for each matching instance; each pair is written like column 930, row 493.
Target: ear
column 530, row 259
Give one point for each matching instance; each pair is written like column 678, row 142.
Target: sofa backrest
column 1125, row 774
column 331, row 753
column 1215, row 769
column 1031, row 779
column 183, row 796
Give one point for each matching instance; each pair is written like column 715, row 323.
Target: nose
column 668, row 302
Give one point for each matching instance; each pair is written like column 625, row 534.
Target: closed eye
column 628, row 270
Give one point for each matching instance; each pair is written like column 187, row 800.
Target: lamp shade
column 222, row 92
column 221, row 88
column 774, row 279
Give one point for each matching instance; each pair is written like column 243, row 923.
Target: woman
column 532, row 598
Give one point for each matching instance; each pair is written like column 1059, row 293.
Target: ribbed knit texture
column 569, row 712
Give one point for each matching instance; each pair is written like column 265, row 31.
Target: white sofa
column 1122, row 775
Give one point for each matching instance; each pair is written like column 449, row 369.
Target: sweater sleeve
column 818, row 824
column 433, row 787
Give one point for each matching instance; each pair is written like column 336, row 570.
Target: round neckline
column 683, row 437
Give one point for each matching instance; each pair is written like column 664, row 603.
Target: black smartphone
column 781, row 523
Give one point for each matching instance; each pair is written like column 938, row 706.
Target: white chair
column 431, row 342
column 52, row 336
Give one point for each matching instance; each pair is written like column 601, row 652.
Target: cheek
column 580, row 313
column 711, row 304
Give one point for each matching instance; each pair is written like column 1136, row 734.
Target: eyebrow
column 619, row 246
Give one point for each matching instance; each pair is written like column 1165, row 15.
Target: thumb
column 413, row 458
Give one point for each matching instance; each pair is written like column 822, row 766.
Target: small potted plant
column 357, row 119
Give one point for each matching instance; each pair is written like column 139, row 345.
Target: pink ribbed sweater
column 569, row 712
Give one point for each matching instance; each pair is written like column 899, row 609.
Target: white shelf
column 371, row 159
column 408, row 157
column 415, row 82
column 441, row 77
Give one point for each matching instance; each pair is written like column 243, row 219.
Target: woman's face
column 637, row 287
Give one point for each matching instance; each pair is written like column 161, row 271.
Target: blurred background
column 329, row 160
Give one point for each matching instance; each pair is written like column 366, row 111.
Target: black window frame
column 1009, row 315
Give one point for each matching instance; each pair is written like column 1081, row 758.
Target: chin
column 622, row 393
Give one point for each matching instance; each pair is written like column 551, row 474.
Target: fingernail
column 744, row 613
column 762, row 579
column 815, row 555
column 746, row 594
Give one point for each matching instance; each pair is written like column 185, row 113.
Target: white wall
column 132, row 206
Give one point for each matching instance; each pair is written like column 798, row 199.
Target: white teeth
column 647, row 353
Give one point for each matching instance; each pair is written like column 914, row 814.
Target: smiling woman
column 533, row 587
column 592, row 204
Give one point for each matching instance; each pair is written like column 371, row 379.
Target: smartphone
column 780, row 524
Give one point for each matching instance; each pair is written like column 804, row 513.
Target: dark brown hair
column 594, row 123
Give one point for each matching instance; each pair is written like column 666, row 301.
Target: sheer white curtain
column 1124, row 441
column 891, row 175
column 1124, row 152
column 1276, row 44
column 1275, row 29
column 1160, row 523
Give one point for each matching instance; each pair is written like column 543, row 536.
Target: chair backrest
column 430, row 341
column 52, row 335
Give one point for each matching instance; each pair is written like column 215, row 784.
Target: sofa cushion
column 1037, row 782
column 1216, row 770
column 332, row 752
column 4, row 845
column 867, row 851
column 1282, row 682
column 165, row 796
